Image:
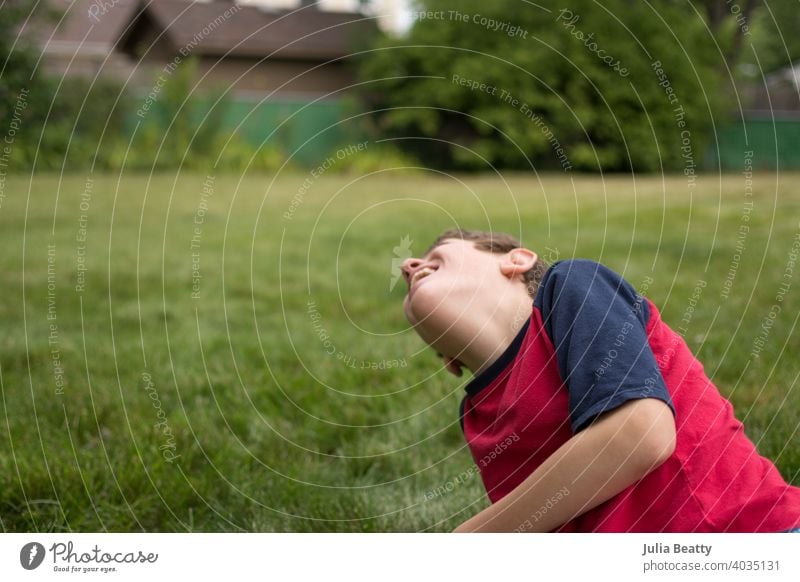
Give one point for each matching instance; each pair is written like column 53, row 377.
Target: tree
column 730, row 22
column 774, row 42
column 17, row 57
column 622, row 85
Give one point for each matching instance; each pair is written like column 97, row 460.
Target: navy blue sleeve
column 597, row 323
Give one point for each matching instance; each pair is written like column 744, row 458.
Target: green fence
column 305, row 131
column 311, row 131
column 774, row 143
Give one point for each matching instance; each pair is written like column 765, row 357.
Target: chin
column 431, row 313
column 421, row 305
column 412, row 314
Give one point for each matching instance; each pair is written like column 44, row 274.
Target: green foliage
column 774, row 42
column 74, row 123
column 18, row 58
column 184, row 127
column 375, row 158
column 71, row 122
column 78, row 123
column 586, row 85
column 179, row 126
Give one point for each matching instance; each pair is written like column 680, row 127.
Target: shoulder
column 575, row 284
column 581, row 275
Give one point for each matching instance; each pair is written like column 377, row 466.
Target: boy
column 587, row 412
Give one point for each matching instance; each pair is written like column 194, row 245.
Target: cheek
column 449, row 289
column 420, row 308
column 438, row 299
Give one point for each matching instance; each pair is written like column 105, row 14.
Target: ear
column 517, row 261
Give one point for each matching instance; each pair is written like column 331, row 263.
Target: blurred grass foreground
column 215, row 353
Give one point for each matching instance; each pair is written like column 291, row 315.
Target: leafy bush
column 76, row 123
column 179, row 127
column 374, row 158
column 554, row 88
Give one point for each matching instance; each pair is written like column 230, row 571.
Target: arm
column 615, row 451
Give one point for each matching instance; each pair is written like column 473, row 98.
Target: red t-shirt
column 591, row 344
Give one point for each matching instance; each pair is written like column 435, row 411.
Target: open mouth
column 420, row 275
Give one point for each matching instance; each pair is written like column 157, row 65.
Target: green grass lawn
column 139, row 396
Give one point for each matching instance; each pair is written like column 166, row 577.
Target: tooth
column 423, row 273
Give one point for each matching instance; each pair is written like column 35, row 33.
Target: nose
column 409, row 266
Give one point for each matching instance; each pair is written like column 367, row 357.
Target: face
column 463, row 301
column 448, row 284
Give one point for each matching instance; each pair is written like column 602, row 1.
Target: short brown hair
column 495, row 242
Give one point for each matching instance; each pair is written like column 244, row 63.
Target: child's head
column 470, row 288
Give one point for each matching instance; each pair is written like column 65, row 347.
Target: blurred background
column 268, row 81
column 204, row 206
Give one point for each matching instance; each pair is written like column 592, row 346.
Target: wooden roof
column 212, row 28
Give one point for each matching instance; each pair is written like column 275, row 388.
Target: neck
column 493, row 332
